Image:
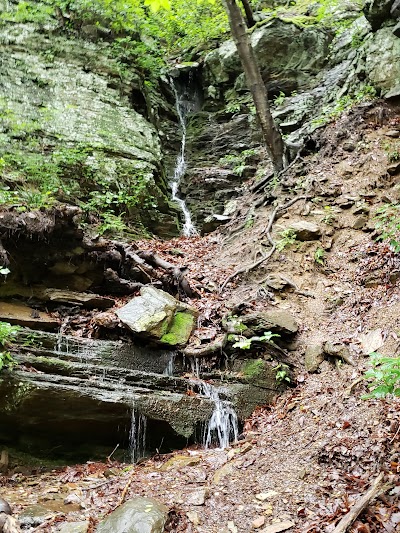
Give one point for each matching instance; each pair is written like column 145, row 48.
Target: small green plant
column 282, row 373
column 111, row 223
column 319, row 256
column 388, row 223
column 7, row 333
column 279, row 100
column 329, row 216
column 392, row 151
column 233, row 107
column 287, row 238
column 244, row 343
column 384, row 376
column 237, row 161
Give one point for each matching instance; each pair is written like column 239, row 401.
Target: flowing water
column 169, row 369
column 137, row 436
column 183, row 107
column 222, row 428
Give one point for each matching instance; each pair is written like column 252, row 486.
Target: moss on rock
column 180, row 330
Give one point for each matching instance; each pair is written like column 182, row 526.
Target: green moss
column 253, row 368
column 180, row 329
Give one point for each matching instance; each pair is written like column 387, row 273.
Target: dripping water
column 183, row 107
column 222, row 428
column 169, row 369
column 137, row 436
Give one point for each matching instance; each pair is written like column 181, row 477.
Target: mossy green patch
column 180, row 330
column 254, row 368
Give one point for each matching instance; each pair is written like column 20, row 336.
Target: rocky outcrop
column 69, row 131
column 80, row 397
column 287, row 54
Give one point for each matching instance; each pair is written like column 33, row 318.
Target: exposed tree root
column 206, row 349
column 265, row 257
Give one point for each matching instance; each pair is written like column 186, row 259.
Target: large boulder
column 72, row 101
column 157, row 315
column 139, row 515
column 288, row 55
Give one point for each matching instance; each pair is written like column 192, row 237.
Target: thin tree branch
column 375, row 490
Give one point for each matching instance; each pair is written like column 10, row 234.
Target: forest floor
column 302, row 462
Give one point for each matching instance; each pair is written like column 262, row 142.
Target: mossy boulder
column 158, row 316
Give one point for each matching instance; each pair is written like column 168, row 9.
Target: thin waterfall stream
column 222, row 427
column 183, row 107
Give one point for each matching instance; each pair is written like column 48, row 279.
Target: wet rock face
column 139, row 515
column 67, row 117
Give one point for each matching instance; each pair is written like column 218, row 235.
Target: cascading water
column 137, row 436
column 183, row 107
column 169, row 369
column 222, row 428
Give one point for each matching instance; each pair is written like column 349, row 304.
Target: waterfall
column 183, row 107
column 222, row 428
column 137, row 436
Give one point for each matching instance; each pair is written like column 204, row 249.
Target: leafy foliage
column 388, row 223
column 319, row 256
column 282, row 373
column 384, row 376
column 7, row 333
column 244, row 343
column 287, row 238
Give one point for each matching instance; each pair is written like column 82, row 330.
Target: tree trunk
column 271, row 134
column 249, row 13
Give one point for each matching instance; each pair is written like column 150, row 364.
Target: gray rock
column 382, row 61
column 339, row 350
column 395, row 10
column 286, row 52
column 74, row 527
column 360, row 222
column 159, row 316
column 275, row 320
column 314, row 357
column 396, row 30
column 139, row 515
column 306, row 231
column 34, row 515
column 74, row 100
column 197, row 497
column 377, row 11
